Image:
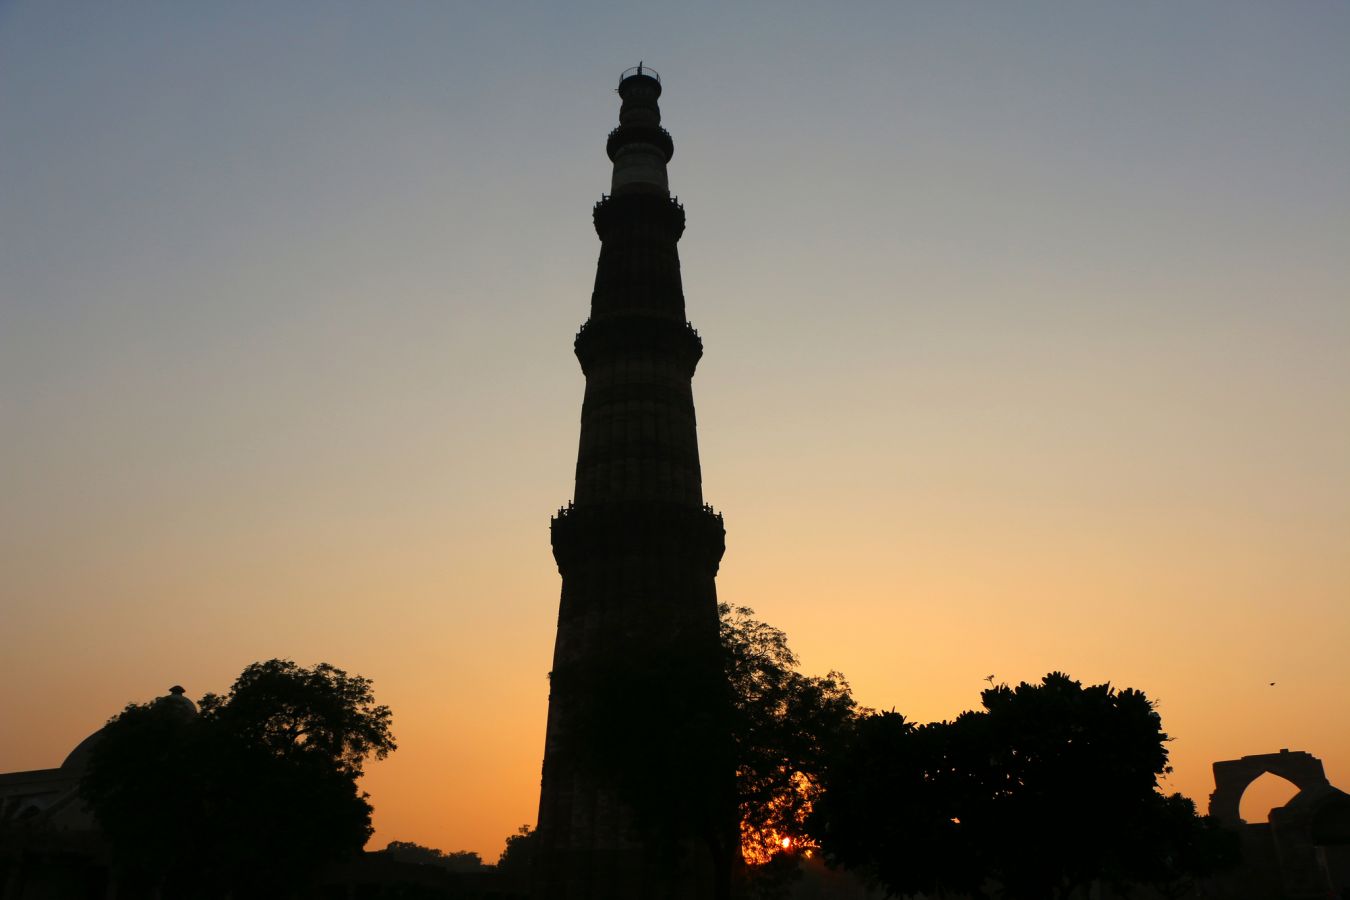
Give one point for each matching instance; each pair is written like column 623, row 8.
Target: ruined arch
column 1232, row 776
column 1330, row 826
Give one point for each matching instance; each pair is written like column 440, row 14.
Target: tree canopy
column 419, row 854
column 1048, row 787
column 321, row 713
column 518, row 856
column 1176, row 847
column 784, row 726
column 250, row 793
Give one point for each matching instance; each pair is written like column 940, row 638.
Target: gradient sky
column 1026, row 333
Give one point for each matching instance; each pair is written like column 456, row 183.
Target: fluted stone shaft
column 638, row 435
column 637, row 548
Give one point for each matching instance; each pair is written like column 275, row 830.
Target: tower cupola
column 640, row 147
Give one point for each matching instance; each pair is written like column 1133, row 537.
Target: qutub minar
column 635, row 797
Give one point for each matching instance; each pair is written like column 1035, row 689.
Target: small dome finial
column 176, row 699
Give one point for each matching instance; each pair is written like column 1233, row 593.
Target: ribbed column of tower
column 638, row 552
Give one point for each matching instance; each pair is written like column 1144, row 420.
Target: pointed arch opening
column 1268, row 791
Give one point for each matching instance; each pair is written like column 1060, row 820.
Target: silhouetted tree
column 1040, row 793
column 784, row 725
column 249, row 794
column 890, row 804
column 453, row 861
column 143, row 783
column 292, row 712
column 518, row 856
column 1172, row 847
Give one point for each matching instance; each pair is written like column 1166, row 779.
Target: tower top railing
column 639, row 69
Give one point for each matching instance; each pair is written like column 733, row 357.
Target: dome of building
column 79, row 757
column 176, row 700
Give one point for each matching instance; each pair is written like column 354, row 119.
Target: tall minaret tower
column 636, row 798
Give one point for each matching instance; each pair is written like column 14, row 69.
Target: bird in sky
column 1272, row 684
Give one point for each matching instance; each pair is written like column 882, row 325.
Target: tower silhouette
column 637, row 794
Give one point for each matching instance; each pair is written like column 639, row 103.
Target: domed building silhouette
column 50, row 845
